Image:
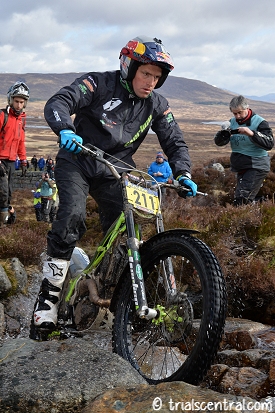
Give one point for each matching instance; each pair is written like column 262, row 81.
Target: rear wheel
column 181, row 342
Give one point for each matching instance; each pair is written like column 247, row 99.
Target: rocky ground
column 82, row 374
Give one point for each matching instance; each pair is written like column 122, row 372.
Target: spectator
column 160, row 169
column 50, row 168
column 34, row 162
column 41, row 163
column 37, row 204
column 47, row 188
column 12, row 133
column 250, row 137
column 54, row 207
column 24, row 166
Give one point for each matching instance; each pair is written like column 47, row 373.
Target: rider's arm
column 171, row 139
column 66, row 102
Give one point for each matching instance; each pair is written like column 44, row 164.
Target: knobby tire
column 184, row 346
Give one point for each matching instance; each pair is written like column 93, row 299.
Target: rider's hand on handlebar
column 189, row 184
column 66, row 141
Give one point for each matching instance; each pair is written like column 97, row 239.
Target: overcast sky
column 229, row 44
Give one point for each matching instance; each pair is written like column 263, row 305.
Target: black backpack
column 5, row 119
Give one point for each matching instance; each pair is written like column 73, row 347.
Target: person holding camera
column 47, row 190
column 251, row 138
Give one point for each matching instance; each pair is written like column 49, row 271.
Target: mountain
column 42, row 86
column 194, row 91
column 270, row 97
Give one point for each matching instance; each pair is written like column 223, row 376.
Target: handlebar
column 178, row 187
column 98, row 155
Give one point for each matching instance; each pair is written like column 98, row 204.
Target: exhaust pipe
column 93, row 294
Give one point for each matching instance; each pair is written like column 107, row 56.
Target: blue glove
column 189, row 184
column 65, row 141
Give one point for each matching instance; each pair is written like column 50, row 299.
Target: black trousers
column 73, row 189
column 46, row 207
column 249, row 183
column 6, row 182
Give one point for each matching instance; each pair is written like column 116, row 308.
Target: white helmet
column 19, row 89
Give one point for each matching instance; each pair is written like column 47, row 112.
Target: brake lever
column 90, row 150
column 179, row 188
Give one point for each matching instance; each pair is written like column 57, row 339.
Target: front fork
column 168, row 270
column 140, row 299
column 136, row 272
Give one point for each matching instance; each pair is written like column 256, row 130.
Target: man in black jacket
column 250, row 137
column 113, row 111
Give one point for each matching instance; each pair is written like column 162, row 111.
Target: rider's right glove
column 189, row 184
column 66, row 141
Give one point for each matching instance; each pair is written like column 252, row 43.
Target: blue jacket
column 163, row 167
column 41, row 163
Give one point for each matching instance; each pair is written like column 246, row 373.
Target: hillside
column 194, row 91
column 270, row 97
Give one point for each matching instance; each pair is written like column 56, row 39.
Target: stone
column 5, row 284
column 2, row 321
column 58, row 376
column 20, row 275
column 245, row 381
column 12, row 326
column 272, row 371
column 168, row 397
column 240, row 340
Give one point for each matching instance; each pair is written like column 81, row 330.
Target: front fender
column 146, row 245
column 176, row 231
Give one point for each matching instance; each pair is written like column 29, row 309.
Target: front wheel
column 182, row 341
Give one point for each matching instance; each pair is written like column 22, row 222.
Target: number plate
column 142, row 198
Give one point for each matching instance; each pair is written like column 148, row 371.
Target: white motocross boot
column 45, row 311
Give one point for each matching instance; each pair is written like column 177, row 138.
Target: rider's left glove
column 189, row 184
column 66, row 141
